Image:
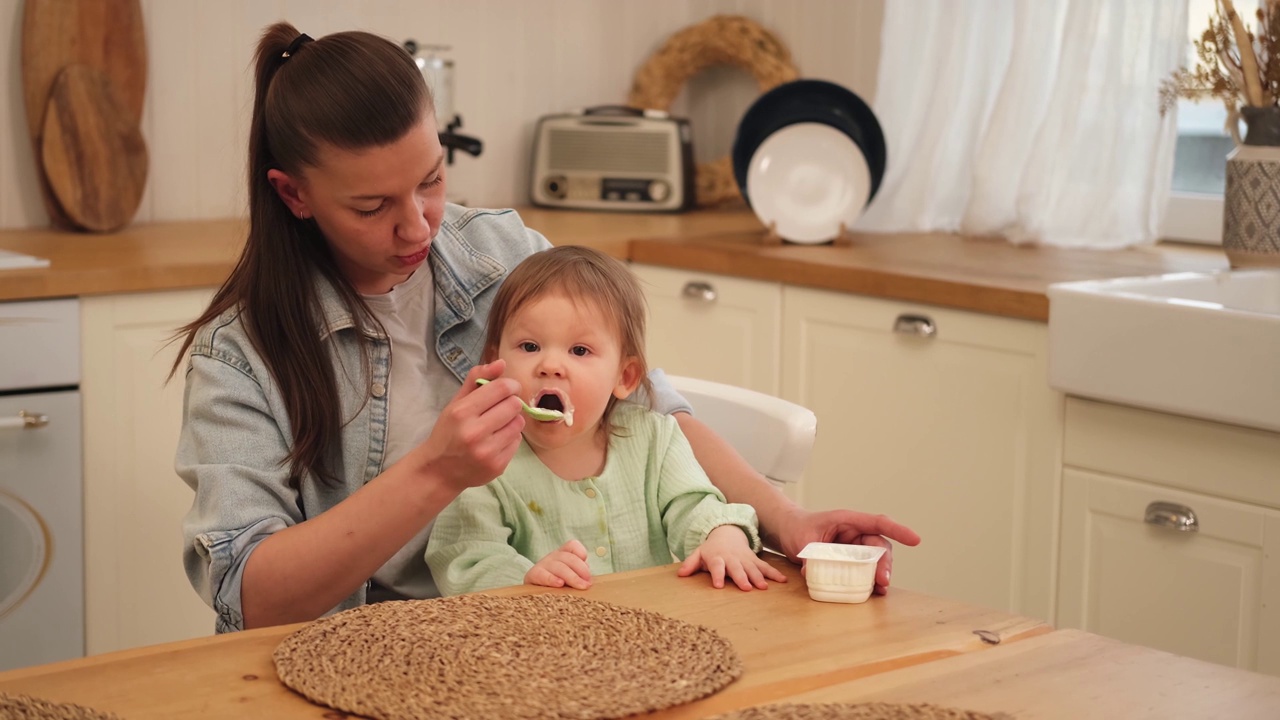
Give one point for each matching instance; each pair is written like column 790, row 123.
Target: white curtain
column 1033, row 119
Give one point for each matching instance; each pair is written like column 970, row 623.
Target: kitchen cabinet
column 1129, row 477
column 943, row 420
column 713, row 327
column 135, row 588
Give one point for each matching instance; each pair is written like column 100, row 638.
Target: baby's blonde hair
column 581, row 274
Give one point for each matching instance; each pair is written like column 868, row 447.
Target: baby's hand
column 727, row 551
column 566, row 566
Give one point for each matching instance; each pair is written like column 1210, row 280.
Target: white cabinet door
column 1209, row 594
column 955, row 434
column 713, row 327
column 135, row 587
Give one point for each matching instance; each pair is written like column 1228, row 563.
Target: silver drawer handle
column 696, row 290
column 921, row 325
column 24, row 421
column 1172, row 515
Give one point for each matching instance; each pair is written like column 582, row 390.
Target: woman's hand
column 566, row 566
column 478, row 431
column 726, row 551
column 850, row 528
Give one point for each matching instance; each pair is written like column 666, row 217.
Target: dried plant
column 1235, row 64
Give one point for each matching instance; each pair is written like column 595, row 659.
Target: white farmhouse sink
column 1205, row 345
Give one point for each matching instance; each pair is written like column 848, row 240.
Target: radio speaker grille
column 634, row 151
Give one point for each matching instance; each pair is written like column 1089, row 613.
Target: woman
column 318, row 463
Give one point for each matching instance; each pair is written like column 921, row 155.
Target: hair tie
column 297, row 43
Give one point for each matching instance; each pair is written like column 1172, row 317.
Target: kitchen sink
column 1206, row 345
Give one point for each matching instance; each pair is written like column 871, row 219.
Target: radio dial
column 556, row 186
column 659, row 190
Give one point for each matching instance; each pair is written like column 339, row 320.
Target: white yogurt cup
column 840, row 573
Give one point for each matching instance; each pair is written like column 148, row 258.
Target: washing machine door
column 24, row 552
column 41, row 531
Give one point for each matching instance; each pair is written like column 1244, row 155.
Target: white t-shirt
column 419, row 387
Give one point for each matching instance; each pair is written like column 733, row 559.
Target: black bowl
column 802, row 101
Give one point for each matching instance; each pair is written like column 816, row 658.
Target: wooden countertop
column 986, row 275
column 905, row 646
column 140, row 258
column 983, row 274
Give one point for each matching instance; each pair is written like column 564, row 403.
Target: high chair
column 773, row 435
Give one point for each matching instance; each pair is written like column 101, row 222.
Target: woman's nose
column 414, row 226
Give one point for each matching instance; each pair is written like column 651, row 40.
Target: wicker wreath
column 722, row 39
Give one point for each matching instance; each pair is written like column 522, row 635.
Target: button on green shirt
column 651, row 501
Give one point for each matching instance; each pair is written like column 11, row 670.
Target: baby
column 615, row 489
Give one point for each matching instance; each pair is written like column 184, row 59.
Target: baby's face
column 566, row 356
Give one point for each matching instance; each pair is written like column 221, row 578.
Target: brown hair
column 348, row 90
column 583, row 274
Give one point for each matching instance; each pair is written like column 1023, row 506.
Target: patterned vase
column 1251, row 207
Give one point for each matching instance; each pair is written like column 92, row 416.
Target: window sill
column 1193, row 218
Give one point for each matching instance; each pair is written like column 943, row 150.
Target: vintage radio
column 613, row 158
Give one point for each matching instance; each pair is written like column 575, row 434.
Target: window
column 1199, row 165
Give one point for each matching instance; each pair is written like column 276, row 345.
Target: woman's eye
column 371, row 213
column 432, row 183
column 579, row 350
column 529, row 346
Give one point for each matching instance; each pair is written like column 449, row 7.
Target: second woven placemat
column 856, row 711
column 25, row 707
column 477, row 656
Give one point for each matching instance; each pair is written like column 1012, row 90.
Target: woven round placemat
column 719, row 40
column 858, row 711
column 477, row 656
column 25, row 707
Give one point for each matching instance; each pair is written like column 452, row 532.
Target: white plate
column 806, row 180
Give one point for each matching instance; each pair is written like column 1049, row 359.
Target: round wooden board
column 93, row 155
column 104, row 34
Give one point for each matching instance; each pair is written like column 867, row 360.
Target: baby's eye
column 579, row 350
column 529, row 346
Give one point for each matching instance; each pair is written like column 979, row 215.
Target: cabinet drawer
column 1213, row 458
column 1202, row 593
column 908, row 321
column 713, row 327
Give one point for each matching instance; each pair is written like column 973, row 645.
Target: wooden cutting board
column 104, row 34
column 93, row 154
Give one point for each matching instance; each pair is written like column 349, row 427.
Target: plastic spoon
column 537, row 413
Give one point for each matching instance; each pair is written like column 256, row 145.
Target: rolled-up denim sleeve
column 232, row 452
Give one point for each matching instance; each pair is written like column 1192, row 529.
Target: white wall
column 515, row 60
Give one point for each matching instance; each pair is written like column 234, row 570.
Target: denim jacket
column 236, row 431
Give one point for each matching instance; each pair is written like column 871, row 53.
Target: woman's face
column 379, row 208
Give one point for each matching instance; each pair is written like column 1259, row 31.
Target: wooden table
column 904, row 646
column 1070, row 674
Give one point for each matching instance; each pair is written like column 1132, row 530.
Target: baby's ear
column 628, row 379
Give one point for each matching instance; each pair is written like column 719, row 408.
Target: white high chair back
column 773, row 435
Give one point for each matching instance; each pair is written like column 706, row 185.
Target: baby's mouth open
column 553, row 399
